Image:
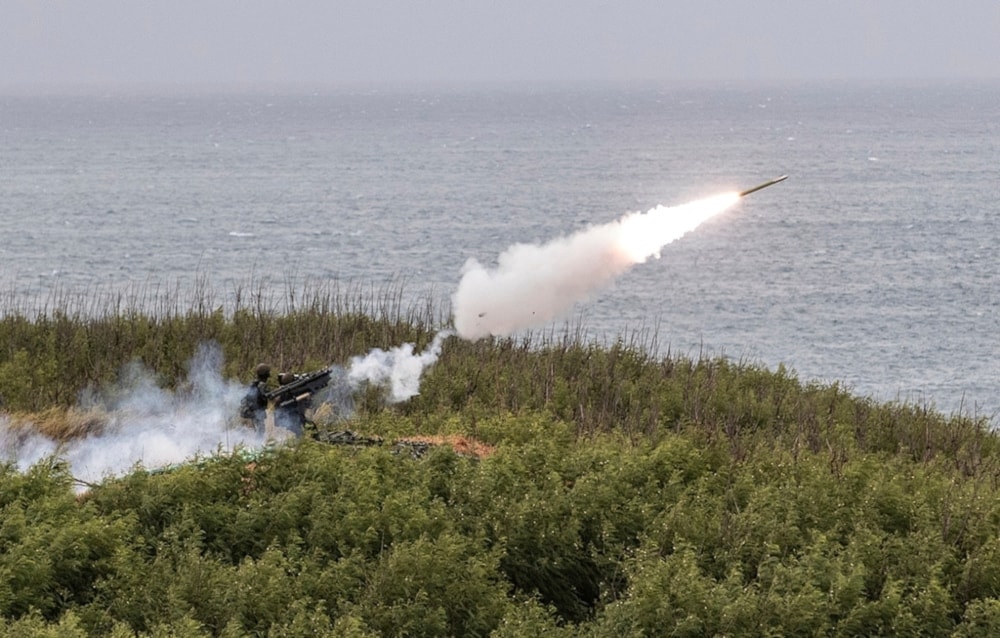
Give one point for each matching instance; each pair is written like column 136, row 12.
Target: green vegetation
column 628, row 495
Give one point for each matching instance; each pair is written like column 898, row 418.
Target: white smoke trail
column 534, row 284
column 399, row 369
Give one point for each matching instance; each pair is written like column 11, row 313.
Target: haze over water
column 874, row 264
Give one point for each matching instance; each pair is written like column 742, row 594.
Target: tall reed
column 75, row 343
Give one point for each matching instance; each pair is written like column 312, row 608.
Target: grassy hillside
column 625, row 495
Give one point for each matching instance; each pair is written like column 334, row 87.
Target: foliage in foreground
column 550, row 534
column 628, row 495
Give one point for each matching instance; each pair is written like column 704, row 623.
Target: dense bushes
column 584, row 537
column 626, row 496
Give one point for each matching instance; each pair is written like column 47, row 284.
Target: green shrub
column 626, row 495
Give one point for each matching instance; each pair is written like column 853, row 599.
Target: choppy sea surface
column 875, row 264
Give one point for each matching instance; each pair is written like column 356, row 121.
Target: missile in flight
column 764, row 185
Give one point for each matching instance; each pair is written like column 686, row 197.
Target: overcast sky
column 341, row 42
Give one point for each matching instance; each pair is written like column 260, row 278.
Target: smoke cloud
column 145, row 426
column 533, row 284
column 398, row 370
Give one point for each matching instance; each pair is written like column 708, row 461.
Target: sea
column 874, row 265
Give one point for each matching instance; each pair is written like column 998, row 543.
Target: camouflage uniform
column 254, row 404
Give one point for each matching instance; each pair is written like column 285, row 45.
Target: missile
column 764, row 185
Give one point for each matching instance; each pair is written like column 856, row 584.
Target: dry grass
column 463, row 445
column 59, row 424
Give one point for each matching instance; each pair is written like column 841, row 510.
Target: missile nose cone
column 764, row 185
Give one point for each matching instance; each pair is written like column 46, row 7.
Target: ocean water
column 873, row 265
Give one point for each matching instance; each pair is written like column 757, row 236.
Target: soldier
column 254, row 404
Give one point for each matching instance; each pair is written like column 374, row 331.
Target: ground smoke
column 145, row 425
column 149, row 427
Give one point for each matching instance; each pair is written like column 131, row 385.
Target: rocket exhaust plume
column 533, row 284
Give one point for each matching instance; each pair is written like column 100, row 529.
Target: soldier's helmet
column 263, row 371
column 285, row 377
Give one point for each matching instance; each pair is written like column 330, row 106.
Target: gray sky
column 340, row 42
